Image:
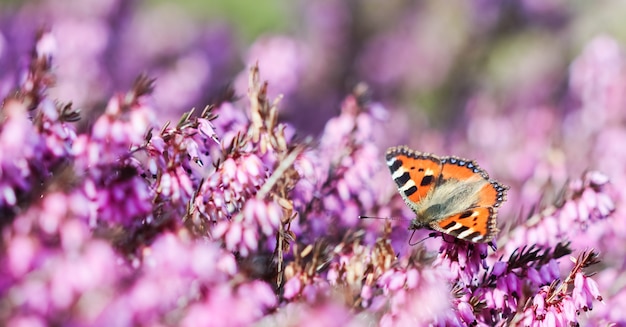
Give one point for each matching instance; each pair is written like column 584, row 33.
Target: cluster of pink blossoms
column 229, row 217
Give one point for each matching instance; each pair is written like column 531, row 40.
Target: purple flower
column 112, row 181
column 224, row 193
column 119, row 218
column 241, row 233
column 560, row 304
column 19, row 148
column 337, row 185
column 324, row 313
column 35, row 135
column 415, row 297
column 252, row 301
column 54, row 265
column 588, row 201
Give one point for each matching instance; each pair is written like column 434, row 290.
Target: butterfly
column 448, row 194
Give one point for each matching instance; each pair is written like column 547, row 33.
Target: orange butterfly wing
column 477, row 223
column 415, row 173
column 490, row 195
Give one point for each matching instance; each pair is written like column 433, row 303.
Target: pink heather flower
column 230, row 122
column 112, row 181
column 224, row 193
column 330, row 312
column 52, row 218
column 340, row 183
column 249, row 301
column 466, row 313
column 313, row 172
column 20, row 255
column 175, row 185
column 372, row 278
column 131, row 224
column 495, row 288
column 561, row 313
column 19, row 150
column 174, row 271
column 188, row 142
column 26, row 321
column 362, row 269
column 292, row 288
column 206, row 128
column 60, row 280
column 266, row 215
column 463, row 259
column 171, row 266
column 241, row 233
column 585, row 292
column 125, row 200
column 559, row 304
column 34, row 135
column 125, row 123
column 424, row 302
column 588, row 202
column 122, row 127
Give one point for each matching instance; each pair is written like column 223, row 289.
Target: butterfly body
column 448, row 194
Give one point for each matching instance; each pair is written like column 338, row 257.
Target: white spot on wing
column 455, row 227
column 398, row 173
column 408, row 185
column 466, row 233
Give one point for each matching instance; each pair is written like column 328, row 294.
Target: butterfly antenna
column 420, row 241
column 386, row 218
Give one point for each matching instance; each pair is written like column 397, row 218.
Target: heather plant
column 231, row 215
